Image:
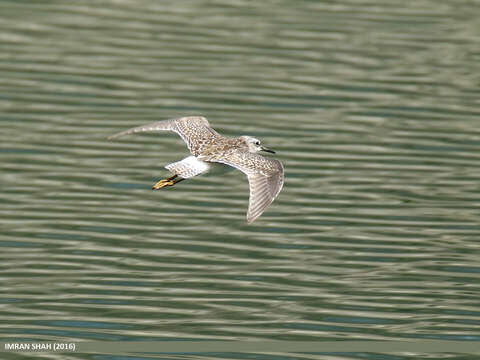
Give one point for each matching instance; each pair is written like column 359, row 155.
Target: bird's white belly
column 192, row 166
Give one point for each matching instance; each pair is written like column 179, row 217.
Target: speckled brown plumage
column 265, row 175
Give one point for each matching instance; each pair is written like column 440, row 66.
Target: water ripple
column 372, row 108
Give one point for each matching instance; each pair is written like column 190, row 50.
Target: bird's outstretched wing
column 265, row 177
column 194, row 130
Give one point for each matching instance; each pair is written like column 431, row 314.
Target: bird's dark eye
column 257, row 143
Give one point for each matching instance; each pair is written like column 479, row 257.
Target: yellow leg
column 166, row 182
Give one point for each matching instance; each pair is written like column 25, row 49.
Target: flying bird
column 210, row 152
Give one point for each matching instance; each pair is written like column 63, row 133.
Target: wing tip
column 157, row 126
column 251, row 219
column 122, row 133
column 118, row 135
column 254, row 215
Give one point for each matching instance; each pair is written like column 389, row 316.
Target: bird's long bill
column 268, row 150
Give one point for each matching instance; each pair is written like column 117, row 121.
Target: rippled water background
column 372, row 106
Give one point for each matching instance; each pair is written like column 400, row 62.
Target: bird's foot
column 166, row 182
column 162, row 183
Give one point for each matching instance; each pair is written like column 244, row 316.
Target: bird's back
column 220, row 146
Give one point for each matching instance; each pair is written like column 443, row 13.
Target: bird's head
column 254, row 145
